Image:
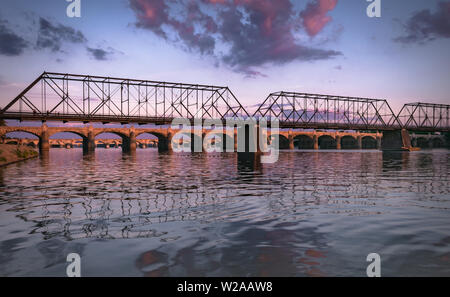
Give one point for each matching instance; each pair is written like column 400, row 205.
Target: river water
column 181, row 214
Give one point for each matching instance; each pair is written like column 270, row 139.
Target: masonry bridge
column 129, row 142
column 87, row 99
column 77, row 142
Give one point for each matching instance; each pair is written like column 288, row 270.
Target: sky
column 254, row 47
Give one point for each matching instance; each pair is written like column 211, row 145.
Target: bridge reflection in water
column 195, row 211
column 92, row 204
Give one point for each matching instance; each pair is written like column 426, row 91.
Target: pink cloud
column 315, row 15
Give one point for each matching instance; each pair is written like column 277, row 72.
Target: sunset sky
column 254, row 47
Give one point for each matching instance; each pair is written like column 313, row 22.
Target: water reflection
column 254, row 251
column 395, row 160
column 311, row 213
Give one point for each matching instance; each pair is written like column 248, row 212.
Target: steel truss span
column 425, row 116
column 87, row 98
column 303, row 110
column 72, row 97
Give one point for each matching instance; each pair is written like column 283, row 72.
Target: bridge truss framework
column 86, row 98
column 72, row 97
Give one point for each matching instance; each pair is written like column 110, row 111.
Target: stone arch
column 349, row 142
column 303, row 141
column 327, row 142
column 54, row 135
column 125, row 138
column 162, row 142
column 142, row 136
column 153, row 133
column 77, row 133
column 283, row 140
column 369, row 142
column 19, row 130
column 117, row 133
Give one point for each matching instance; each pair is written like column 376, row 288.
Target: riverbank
column 15, row 153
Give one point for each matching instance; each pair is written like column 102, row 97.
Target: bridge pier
column 165, row 144
column 129, row 143
column 378, row 143
column 338, row 142
column 44, row 139
column 89, row 142
column 396, row 140
column 291, row 139
column 316, row 141
column 359, row 142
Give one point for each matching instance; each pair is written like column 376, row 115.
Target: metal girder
column 58, row 96
column 301, row 110
column 425, row 116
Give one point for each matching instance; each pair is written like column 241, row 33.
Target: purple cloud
column 240, row 33
column 426, row 26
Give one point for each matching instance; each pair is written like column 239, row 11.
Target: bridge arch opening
column 282, row 140
column 21, row 134
column 369, row 142
column 110, row 139
column 348, row 142
column 327, row 142
column 147, row 140
column 66, row 139
column 303, row 142
column 21, row 137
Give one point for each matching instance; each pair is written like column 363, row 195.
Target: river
column 312, row 213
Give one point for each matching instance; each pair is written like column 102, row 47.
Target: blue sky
column 402, row 56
